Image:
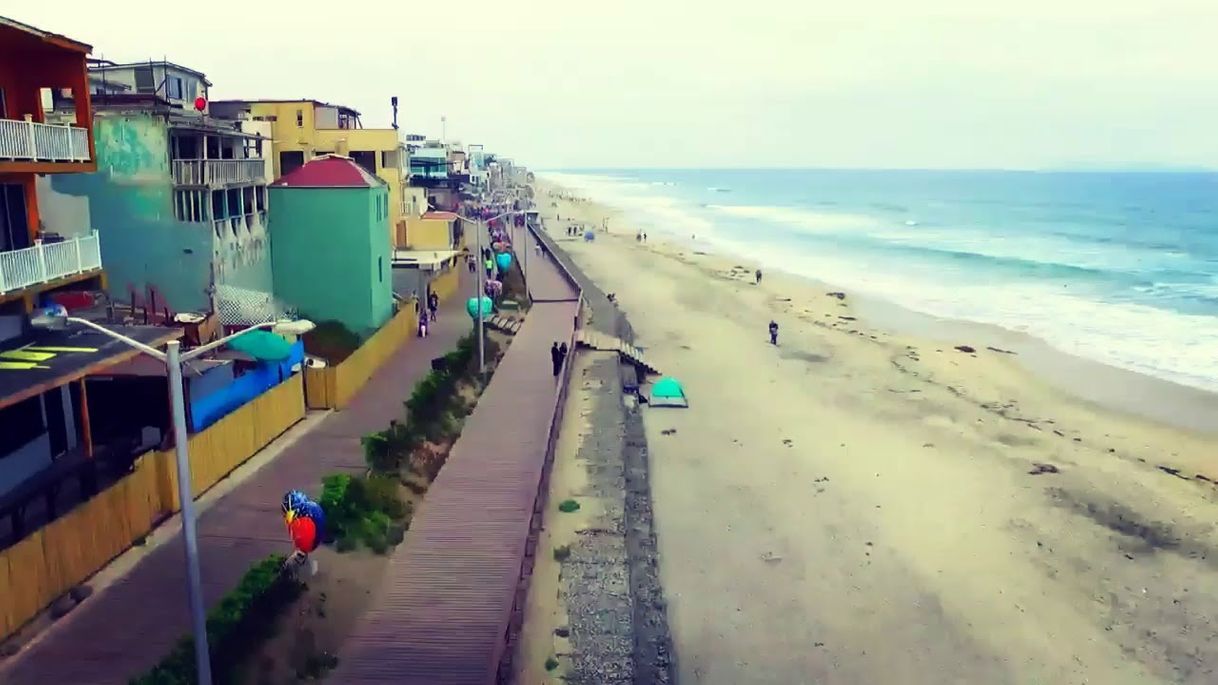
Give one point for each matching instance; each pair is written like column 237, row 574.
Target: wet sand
column 858, row 505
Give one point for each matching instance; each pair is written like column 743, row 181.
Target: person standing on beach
column 773, row 332
column 757, row 277
column 555, row 359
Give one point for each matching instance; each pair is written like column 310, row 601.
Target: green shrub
column 236, row 628
column 331, row 341
column 568, row 505
column 360, row 510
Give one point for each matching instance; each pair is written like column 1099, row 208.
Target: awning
column 422, row 258
column 42, row 360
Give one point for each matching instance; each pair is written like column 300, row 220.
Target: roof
column 99, row 66
column 405, row 259
column 46, row 36
column 443, row 216
column 42, row 360
column 329, row 171
column 284, row 100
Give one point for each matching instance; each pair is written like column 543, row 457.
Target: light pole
column 481, row 225
column 173, row 360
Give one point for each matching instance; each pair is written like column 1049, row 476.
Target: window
column 21, row 423
column 380, row 269
column 143, row 80
column 365, row 158
column 300, row 118
column 389, row 159
column 173, row 88
column 289, row 161
column 260, row 198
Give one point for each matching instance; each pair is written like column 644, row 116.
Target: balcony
column 46, row 262
column 218, row 172
column 35, row 142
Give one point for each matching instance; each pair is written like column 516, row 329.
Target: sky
column 677, row 84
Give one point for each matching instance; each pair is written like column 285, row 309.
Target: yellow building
column 306, row 129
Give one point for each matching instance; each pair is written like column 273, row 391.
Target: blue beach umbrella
column 471, row 306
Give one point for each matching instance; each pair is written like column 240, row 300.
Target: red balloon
column 304, row 534
column 200, row 104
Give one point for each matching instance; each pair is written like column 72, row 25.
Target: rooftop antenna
column 393, row 100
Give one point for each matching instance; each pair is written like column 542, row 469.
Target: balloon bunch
column 306, row 522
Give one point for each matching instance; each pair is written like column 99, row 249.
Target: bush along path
column 236, row 627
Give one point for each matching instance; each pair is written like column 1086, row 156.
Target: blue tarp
column 213, row 406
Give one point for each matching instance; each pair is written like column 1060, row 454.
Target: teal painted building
column 179, row 201
column 331, row 256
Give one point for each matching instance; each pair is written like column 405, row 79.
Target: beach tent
column 667, row 392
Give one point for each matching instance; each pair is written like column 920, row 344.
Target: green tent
column 262, row 345
column 667, row 392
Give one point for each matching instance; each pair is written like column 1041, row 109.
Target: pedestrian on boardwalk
column 556, row 359
column 423, row 324
column 562, row 354
column 433, row 304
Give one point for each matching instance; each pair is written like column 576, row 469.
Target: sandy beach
column 862, row 505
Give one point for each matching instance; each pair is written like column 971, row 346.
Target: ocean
column 1120, row 268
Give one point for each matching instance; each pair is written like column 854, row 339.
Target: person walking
column 773, row 332
column 757, row 277
column 556, row 359
column 423, row 324
column 433, row 304
column 562, row 355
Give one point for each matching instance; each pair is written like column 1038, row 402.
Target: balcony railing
column 30, row 140
column 217, row 172
column 45, row 262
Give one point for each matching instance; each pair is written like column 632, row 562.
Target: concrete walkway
column 443, row 613
column 131, row 625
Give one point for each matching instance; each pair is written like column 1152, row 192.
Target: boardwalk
column 443, row 611
column 129, row 626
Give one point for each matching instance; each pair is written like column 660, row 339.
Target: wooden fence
column 332, row 387
column 63, row 554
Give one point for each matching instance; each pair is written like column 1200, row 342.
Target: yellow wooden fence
column 332, row 387
column 72, row 548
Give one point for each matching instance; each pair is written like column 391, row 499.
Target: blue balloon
column 471, row 306
column 504, row 260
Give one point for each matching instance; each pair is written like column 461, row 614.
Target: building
column 304, row 130
column 45, row 129
column 331, row 259
column 173, row 83
column 180, row 198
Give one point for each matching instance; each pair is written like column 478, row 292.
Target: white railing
column 43, row 142
column 217, row 172
column 45, row 262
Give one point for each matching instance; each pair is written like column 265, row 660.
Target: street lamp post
column 483, row 225
column 173, row 360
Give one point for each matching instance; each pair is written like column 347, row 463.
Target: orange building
column 46, row 127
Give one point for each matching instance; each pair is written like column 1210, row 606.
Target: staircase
column 503, row 323
column 606, row 343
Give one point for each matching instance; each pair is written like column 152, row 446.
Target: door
column 289, row 161
column 14, row 227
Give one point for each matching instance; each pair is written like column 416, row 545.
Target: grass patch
column 562, row 553
column 568, row 505
column 236, row 628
